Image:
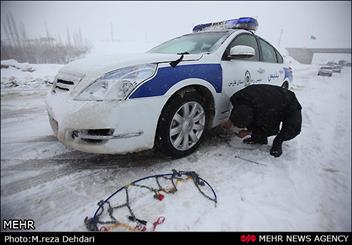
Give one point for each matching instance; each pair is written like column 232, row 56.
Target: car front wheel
column 182, row 125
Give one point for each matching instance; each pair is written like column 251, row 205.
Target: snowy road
column 308, row 188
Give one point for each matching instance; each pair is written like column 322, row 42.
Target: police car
column 166, row 98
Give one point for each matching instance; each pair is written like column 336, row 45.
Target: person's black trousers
column 291, row 127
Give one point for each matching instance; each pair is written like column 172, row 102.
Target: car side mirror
column 242, row 51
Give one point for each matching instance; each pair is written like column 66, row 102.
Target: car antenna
column 175, row 62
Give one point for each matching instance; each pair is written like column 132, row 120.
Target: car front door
column 239, row 72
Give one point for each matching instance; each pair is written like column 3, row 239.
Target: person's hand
column 243, row 133
column 226, row 125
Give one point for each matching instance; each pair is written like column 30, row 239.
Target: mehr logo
column 18, row 224
column 248, row 238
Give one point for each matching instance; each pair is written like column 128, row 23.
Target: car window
column 194, row 43
column 279, row 57
column 247, row 40
column 268, row 52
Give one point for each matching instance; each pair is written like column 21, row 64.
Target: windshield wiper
column 175, row 62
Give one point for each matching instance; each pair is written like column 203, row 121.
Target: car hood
column 97, row 65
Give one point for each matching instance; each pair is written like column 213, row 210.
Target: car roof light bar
column 246, row 23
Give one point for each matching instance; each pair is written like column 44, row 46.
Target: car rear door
column 272, row 63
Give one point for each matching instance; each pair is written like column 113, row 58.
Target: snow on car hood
column 98, row 65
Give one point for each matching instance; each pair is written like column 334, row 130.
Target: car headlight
column 117, row 84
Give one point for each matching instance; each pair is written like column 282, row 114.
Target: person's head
column 242, row 116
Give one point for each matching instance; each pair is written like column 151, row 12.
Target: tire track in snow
column 54, row 168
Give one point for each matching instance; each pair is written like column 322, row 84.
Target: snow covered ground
column 22, row 76
column 307, row 189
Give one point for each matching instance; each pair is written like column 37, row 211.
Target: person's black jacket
column 270, row 104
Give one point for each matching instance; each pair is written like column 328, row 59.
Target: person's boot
column 276, row 149
column 256, row 140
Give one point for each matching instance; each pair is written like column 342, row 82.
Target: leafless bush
column 40, row 50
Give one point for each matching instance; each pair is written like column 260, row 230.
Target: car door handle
column 261, row 70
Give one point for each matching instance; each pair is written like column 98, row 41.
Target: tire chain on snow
column 92, row 223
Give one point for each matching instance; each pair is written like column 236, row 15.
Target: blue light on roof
column 247, row 23
column 245, row 19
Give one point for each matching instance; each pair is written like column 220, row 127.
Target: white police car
column 165, row 98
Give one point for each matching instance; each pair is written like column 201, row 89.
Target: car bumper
column 109, row 127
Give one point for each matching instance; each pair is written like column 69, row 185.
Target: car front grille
column 64, row 85
column 66, row 82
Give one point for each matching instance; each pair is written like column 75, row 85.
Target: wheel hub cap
column 187, row 126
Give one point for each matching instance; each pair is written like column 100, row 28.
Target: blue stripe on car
column 288, row 74
column 166, row 77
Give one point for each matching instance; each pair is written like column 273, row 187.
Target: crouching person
column 261, row 109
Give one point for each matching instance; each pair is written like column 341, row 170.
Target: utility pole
column 281, row 32
column 112, row 32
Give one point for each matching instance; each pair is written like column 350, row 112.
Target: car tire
column 285, row 85
column 181, row 130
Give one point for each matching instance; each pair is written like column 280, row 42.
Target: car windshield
column 326, row 67
column 195, row 43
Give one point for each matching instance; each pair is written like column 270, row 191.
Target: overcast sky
column 329, row 22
